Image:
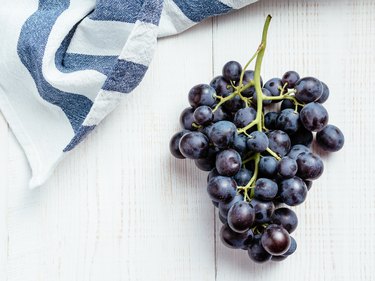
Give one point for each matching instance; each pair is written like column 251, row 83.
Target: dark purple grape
column 325, row 94
column 174, row 144
column 308, row 89
column 202, row 94
column 302, row 136
column 234, row 104
column 223, row 219
column 293, row 191
column 330, row 139
column 248, row 78
column 308, row 184
column 257, row 142
column 194, row 145
column 203, row 115
column 297, row 150
column 268, row 167
column 288, row 104
column 232, row 71
column 292, row 247
column 314, row 117
column 270, row 120
column 288, row 121
column 291, row 77
column 257, row 253
column 239, row 144
column 224, row 207
column 265, row 189
column 213, row 173
column 222, row 189
column 285, row 217
column 222, row 134
column 228, row 162
column 265, row 92
column 310, row 166
column 232, row 239
column 241, row 217
column 275, row 240
column 273, row 85
column 263, row 210
column 244, row 117
column 243, row 177
column 221, row 86
column 206, row 130
column 249, row 239
column 220, row 115
column 187, row 119
column 287, row 167
column 279, row 142
column 207, row 163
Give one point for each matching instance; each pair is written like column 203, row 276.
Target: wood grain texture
column 121, row 208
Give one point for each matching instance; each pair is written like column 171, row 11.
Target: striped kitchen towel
column 66, row 64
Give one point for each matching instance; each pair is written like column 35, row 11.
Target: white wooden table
column 121, row 208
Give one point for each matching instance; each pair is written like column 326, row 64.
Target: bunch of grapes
column 257, row 151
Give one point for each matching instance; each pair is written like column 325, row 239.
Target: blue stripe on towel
column 117, row 10
column 125, row 76
column 79, row 136
column 197, row 10
column 31, row 46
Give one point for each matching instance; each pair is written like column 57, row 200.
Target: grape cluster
column 257, row 151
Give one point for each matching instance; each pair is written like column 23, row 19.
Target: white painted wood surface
column 121, row 208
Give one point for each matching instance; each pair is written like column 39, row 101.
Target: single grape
column 275, row 240
column 288, row 121
column 273, row 86
column 202, row 94
column 279, row 142
column 302, row 136
column 232, row 71
column 239, row 143
column 244, row 117
column 293, row 191
column 187, row 119
column 241, row 217
column 222, row 134
column 314, row 117
column 224, row 207
column 291, row 77
column 268, row 167
column 257, row 142
column 297, row 150
column 243, row 177
column 265, row 92
column 308, row 89
column 325, row 94
column 270, row 120
column 263, row 210
column 249, row 239
column 285, row 217
column 287, row 167
column 232, row 239
column 207, row 163
column 234, row 104
column 228, row 162
column 221, row 189
column 248, row 78
column 330, row 139
column 220, row 85
column 220, row 115
column 203, row 115
column 288, row 104
column 194, row 145
column 257, row 253
column 213, row 173
column 174, row 144
column 265, row 189
column 310, row 166
column 206, row 130
column 292, row 247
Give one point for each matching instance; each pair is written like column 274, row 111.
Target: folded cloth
column 65, row 65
